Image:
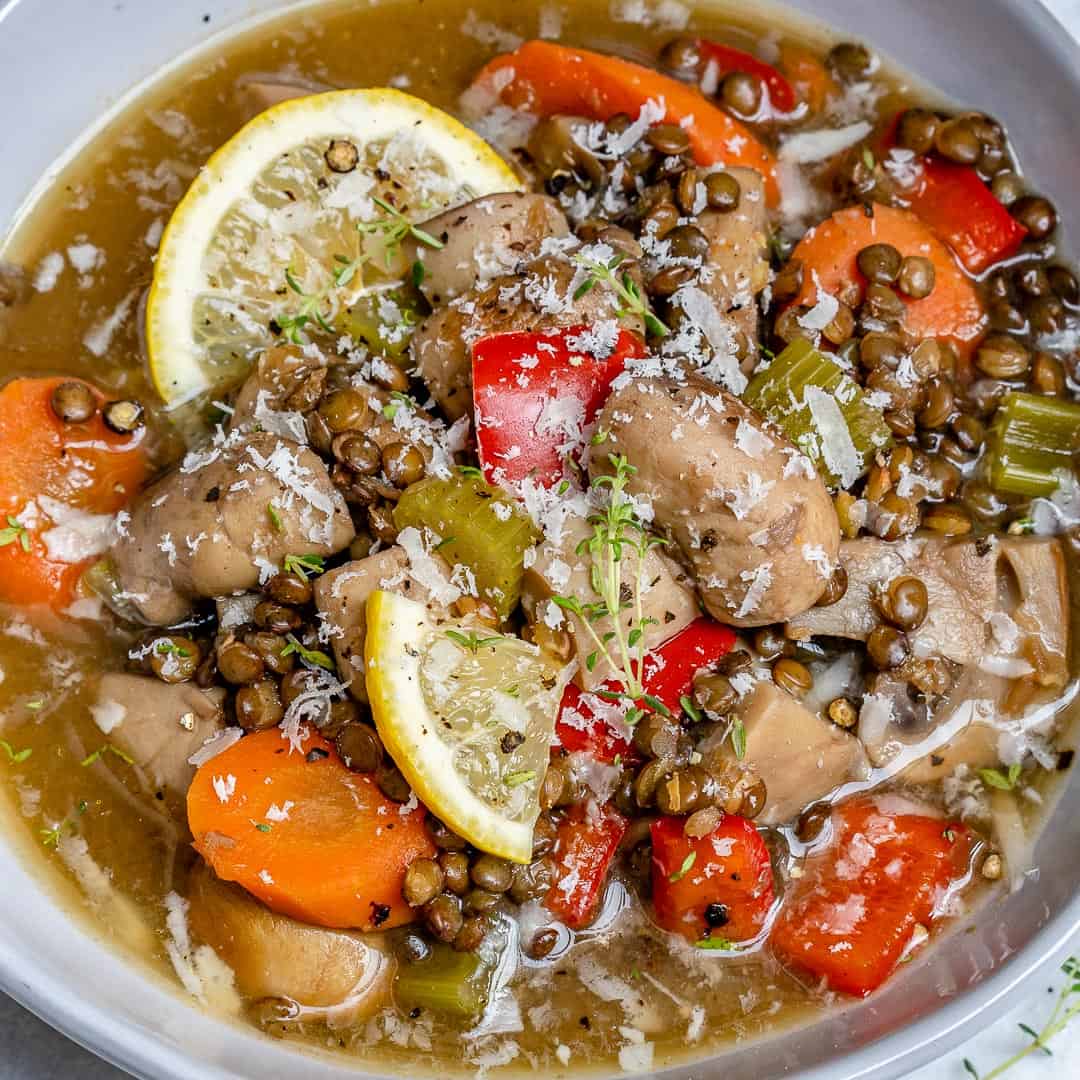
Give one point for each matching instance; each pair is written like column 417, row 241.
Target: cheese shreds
column 812, row 146
column 837, row 448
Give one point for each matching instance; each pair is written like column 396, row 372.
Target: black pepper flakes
column 379, row 913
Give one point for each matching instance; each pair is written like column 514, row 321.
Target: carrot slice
column 84, row 466
column 545, row 78
column 305, row 835
column 828, row 252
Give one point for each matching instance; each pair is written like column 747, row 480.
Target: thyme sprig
column 393, row 229
column 471, row 641
column 317, row 307
column 625, row 288
column 15, row 533
column 304, row 566
column 1065, row 1009
column 618, row 536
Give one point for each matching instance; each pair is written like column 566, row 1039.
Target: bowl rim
column 143, row 1052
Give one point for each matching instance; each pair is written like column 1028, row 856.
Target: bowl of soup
column 548, row 544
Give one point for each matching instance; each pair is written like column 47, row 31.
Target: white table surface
column 30, row 1050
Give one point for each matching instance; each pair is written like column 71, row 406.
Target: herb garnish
column 471, row 641
column 108, row 748
column 16, row 757
column 683, row 870
column 15, row 533
column 617, row 532
column 1003, row 781
column 51, row 837
column 1062, row 1014
column 275, row 517
column 304, row 565
column 309, row 656
column 622, row 285
column 516, row 779
column 312, row 304
column 738, row 738
column 394, row 228
column 716, row 944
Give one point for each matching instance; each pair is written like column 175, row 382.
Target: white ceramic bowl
column 67, row 63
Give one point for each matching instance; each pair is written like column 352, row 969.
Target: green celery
column 777, row 393
column 447, row 982
column 461, row 511
column 1031, row 439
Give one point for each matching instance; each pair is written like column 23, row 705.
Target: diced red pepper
column 961, row 209
column 585, row 846
column 720, row 885
column 529, row 387
column 546, row 78
column 668, row 676
column 852, row 914
column 727, row 59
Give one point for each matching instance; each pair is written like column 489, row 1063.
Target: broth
column 88, row 244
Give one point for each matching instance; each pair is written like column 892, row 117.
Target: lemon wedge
column 298, row 219
column 468, row 716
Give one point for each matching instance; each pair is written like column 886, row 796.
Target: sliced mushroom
column 668, row 600
column 971, row 585
column 335, row 975
column 800, row 757
column 753, row 523
column 342, row 595
column 483, row 239
column 213, row 526
column 159, row 725
column 737, row 261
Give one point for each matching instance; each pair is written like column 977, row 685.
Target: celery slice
column 1031, row 439
column 490, row 542
column 446, row 982
column 778, row 393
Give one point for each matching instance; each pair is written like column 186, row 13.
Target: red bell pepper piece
column 545, row 79
column 529, row 388
column 852, row 914
column 584, row 849
column 961, row 209
column 727, row 58
column 668, row 676
column 720, row 885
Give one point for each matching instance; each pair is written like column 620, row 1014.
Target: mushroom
column 315, row 972
column 976, row 589
column 745, row 510
column 342, row 595
column 481, row 240
column 800, row 757
column 738, row 258
column 159, row 725
column 538, row 297
column 219, row 522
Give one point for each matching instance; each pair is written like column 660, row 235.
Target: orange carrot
column 545, row 78
column 828, row 252
column 305, row 835
column 85, row 466
column 808, row 75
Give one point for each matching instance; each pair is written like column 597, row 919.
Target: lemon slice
column 267, row 238
column 468, row 716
